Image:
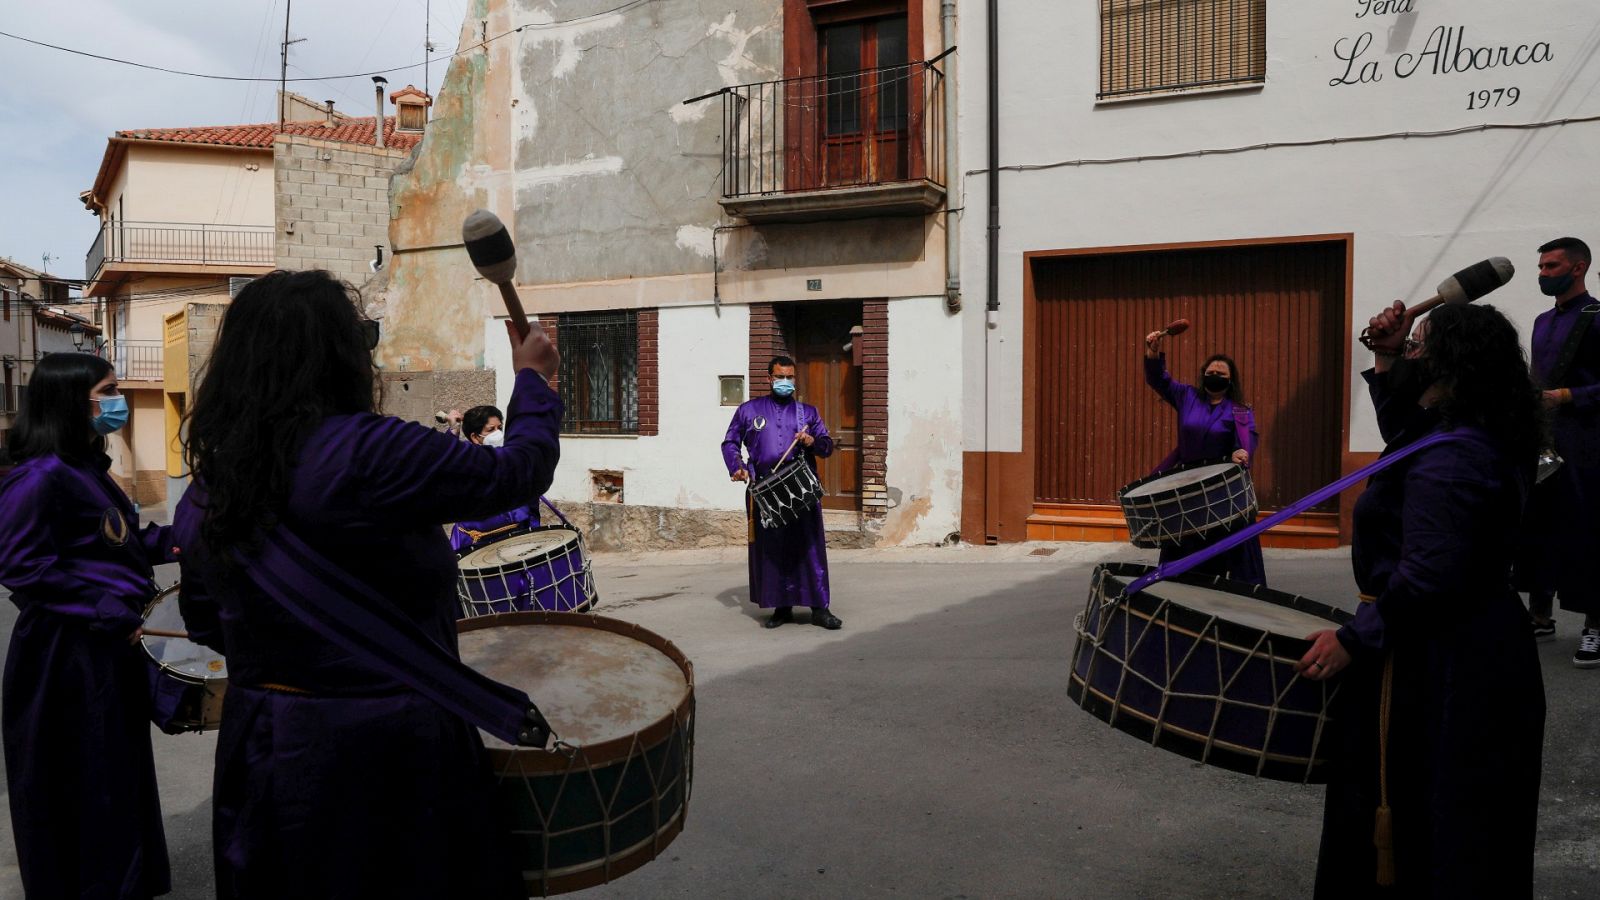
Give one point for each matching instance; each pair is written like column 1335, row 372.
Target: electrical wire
column 255, row 78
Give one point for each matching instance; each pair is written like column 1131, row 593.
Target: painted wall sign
column 1447, row 50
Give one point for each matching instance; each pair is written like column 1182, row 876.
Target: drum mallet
column 1464, row 286
column 1178, row 326
column 495, row 257
column 159, row 633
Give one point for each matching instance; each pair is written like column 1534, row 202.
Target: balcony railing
column 179, row 242
column 840, row 130
column 137, row 360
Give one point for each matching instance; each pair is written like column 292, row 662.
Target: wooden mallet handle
column 161, row 633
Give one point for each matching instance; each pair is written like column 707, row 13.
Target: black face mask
column 1216, row 384
column 1409, row 378
column 1555, row 285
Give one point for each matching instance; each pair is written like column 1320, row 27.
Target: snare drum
column 543, row 568
column 1194, row 501
column 621, row 700
column 1205, row 668
column 787, row 494
column 197, row 675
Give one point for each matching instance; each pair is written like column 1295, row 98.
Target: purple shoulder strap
column 351, row 615
column 1179, row 566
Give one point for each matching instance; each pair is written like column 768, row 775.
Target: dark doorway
column 829, row 379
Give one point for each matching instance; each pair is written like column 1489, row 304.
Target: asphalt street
column 929, row 749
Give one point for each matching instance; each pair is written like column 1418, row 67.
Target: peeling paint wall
column 923, row 468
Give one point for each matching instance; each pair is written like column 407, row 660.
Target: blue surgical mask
column 783, row 387
column 113, row 414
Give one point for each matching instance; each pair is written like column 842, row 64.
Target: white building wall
column 682, row 466
column 925, row 440
column 1419, row 207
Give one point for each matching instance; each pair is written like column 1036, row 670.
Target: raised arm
column 1155, row 375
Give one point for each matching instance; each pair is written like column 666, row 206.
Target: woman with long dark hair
column 76, row 694
column 1441, row 705
column 334, row 779
column 1214, row 425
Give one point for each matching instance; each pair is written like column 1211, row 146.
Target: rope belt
column 1383, row 819
column 283, row 688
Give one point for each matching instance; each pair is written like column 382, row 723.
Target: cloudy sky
column 57, row 109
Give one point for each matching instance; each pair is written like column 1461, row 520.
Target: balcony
column 137, row 360
column 835, row 146
column 179, row 245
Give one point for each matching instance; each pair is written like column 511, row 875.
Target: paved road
column 929, row 749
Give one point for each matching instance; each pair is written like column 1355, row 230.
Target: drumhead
column 1181, row 479
column 1241, row 609
column 592, row 684
column 178, row 655
column 519, row 548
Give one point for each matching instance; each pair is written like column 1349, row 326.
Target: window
column 1159, row 46
column 599, row 380
column 866, row 86
column 5, row 303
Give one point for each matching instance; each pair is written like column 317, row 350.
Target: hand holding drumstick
column 1152, row 341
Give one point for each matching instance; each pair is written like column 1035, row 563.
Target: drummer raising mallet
column 789, row 563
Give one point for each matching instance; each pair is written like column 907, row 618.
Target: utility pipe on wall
column 991, row 479
column 952, row 166
column 378, row 81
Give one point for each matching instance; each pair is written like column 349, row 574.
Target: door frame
column 796, row 314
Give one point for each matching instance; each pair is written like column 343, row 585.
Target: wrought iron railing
column 599, row 379
column 179, row 242
column 138, row 360
column 849, row 129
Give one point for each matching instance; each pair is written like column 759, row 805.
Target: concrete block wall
column 331, row 204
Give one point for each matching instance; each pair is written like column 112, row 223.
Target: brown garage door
column 1277, row 309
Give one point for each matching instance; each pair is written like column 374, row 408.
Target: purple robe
column 332, row 779
column 1207, row 432
column 1563, row 522
column 1434, row 544
column 788, row 565
column 76, row 719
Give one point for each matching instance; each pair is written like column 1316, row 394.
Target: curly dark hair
column 291, row 351
column 1235, row 391
column 474, row 419
column 1474, row 350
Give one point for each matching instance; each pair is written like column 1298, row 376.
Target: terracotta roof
column 410, row 90
column 351, row 131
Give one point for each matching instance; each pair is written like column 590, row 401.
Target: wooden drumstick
column 1464, row 286
column 161, row 633
column 493, row 254
column 1178, row 326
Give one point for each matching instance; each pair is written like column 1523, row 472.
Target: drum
column 1194, row 501
column 198, row 675
column 1204, row 667
column 615, row 791
column 787, row 494
column 544, row 568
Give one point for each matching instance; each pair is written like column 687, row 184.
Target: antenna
column 47, row 257
column 427, row 42
column 283, row 66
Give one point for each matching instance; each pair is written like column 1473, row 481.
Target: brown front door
column 867, row 90
column 829, row 381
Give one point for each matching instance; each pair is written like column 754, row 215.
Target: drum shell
column 547, row 581
column 645, row 778
column 1210, row 508
column 200, row 701
column 1212, row 690
column 795, row 477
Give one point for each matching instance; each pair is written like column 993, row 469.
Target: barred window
column 599, row 381
column 1158, row 46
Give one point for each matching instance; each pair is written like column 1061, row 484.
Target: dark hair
column 1235, row 392
column 779, row 360
column 292, row 351
column 56, row 416
column 473, row 420
column 1576, row 250
column 1474, row 350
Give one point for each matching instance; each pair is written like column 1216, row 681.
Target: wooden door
column 828, row 380
column 866, row 103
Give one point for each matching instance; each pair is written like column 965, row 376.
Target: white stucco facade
column 1374, row 164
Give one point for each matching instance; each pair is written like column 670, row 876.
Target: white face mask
column 495, row 439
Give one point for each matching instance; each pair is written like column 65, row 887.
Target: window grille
column 1159, row 46
column 599, row 380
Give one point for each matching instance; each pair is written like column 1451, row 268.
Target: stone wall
column 416, row 396
column 332, row 204
column 203, row 320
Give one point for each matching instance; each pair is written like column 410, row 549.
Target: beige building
column 187, row 215
column 35, row 319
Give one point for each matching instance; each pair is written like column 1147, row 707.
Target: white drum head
column 178, row 655
column 1179, row 479
column 1241, row 609
column 519, row 548
column 593, row 685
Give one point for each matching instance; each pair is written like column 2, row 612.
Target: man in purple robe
column 1561, row 536
column 788, row 564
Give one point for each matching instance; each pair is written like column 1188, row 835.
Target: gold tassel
column 1383, row 839
column 749, row 518
column 1383, row 820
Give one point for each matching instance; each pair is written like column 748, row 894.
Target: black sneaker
column 1544, row 631
column 1588, row 655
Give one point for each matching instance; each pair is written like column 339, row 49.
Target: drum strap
column 1179, row 566
column 351, row 615
column 1383, row 821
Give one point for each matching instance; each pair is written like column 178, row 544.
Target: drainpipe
column 378, row 81
column 991, row 502
column 952, row 167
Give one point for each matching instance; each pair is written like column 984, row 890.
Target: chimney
column 378, row 82
column 329, row 104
